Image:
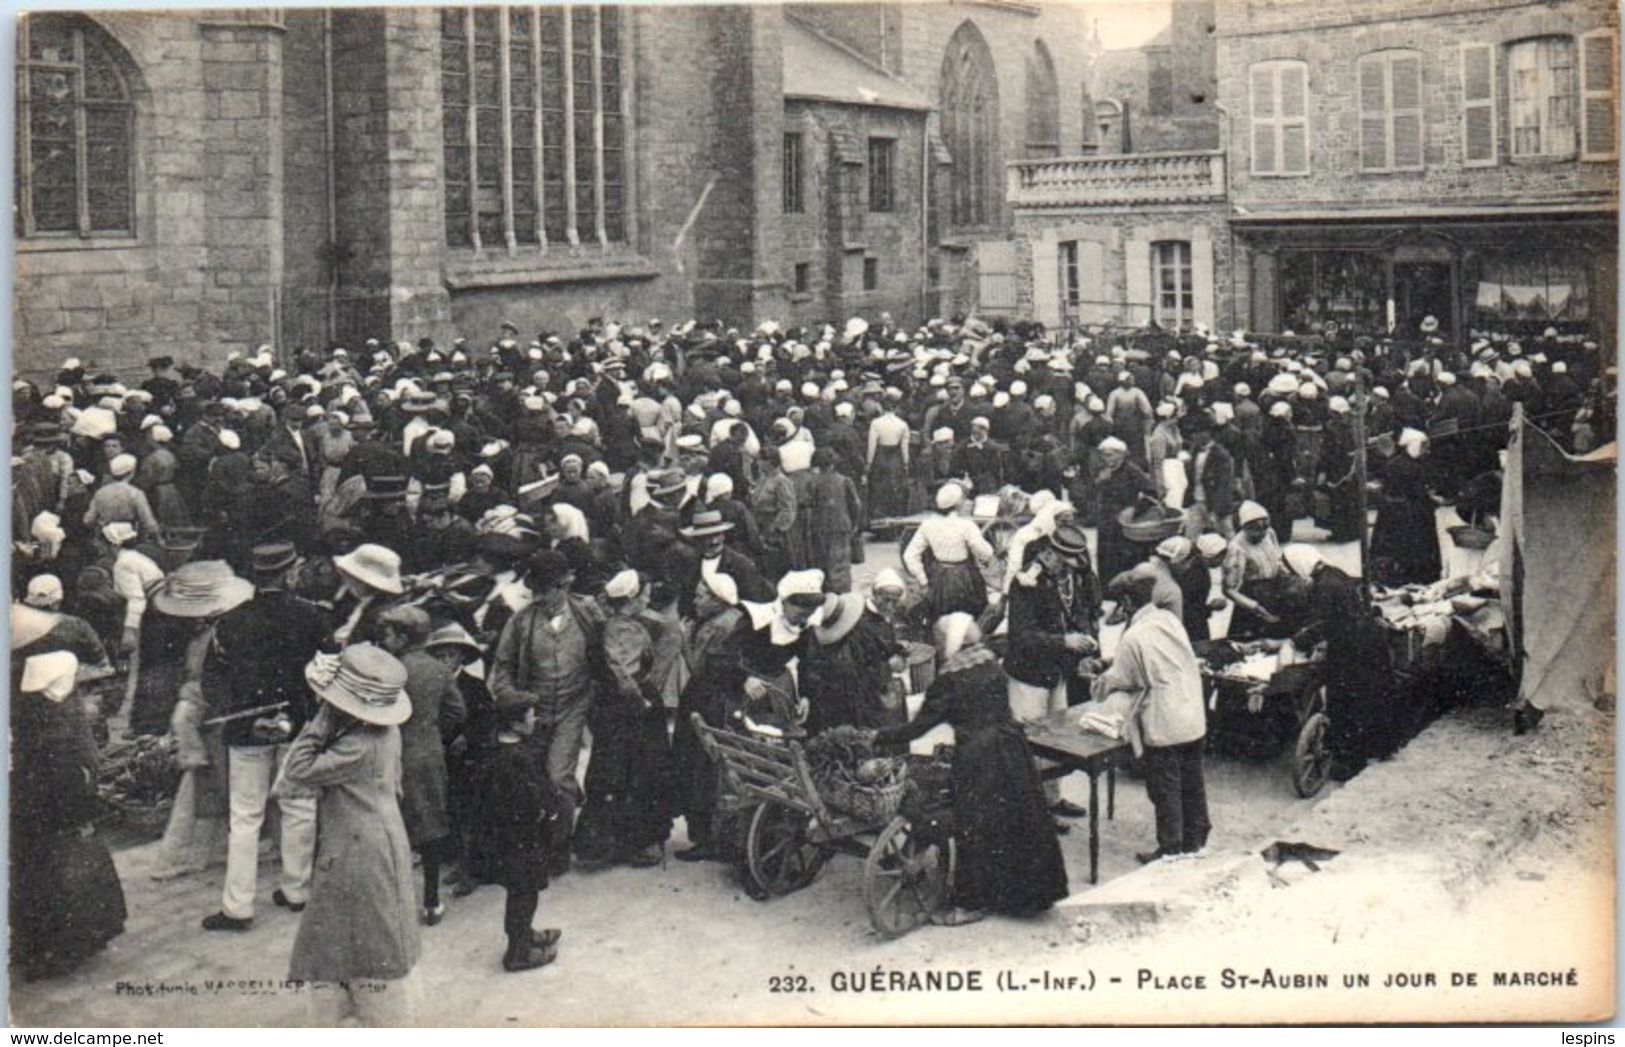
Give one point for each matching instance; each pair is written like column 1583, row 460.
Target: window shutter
column 1137, row 274
column 1047, row 281
column 1406, row 103
column 1092, row 281
column 1264, row 121
column 1294, row 149
column 1373, row 115
column 1294, row 119
column 1599, row 116
column 1478, row 120
column 1202, row 281
column 1294, row 91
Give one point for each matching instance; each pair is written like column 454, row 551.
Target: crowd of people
column 332, row 575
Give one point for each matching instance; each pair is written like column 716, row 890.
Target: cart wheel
column 1311, row 760
column 906, row 878
column 778, row 857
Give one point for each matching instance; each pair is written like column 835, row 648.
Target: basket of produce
column 1151, row 522
column 852, row 779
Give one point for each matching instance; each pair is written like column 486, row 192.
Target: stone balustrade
column 1108, row 181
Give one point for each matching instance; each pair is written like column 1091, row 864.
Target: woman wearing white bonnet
column 952, row 577
column 44, row 592
column 1405, row 539
column 629, row 785
column 67, row 902
column 1048, row 511
column 769, row 638
column 48, row 532
column 717, row 615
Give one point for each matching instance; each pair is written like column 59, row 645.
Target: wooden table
column 1058, row 739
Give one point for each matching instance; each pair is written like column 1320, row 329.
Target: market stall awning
column 1557, row 573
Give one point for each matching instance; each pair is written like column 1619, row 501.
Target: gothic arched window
column 1043, row 105
column 970, row 112
column 75, row 130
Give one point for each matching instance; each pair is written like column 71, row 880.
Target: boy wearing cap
column 519, row 806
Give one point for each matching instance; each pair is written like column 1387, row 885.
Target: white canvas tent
column 1557, row 574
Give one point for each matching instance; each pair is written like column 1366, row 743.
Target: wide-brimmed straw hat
column 454, row 635
column 706, row 522
column 666, row 483
column 373, row 565
column 848, row 608
column 202, row 589
column 365, row 681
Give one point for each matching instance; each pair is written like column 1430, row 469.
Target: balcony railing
column 1108, row 181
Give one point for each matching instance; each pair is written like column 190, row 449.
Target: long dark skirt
column 956, row 587
column 697, row 776
column 1359, row 695
column 888, row 484
column 631, row 788
column 1406, row 535
column 1009, row 860
column 66, row 902
column 1116, row 553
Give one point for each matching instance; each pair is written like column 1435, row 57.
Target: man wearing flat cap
column 281, row 503
column 550, row 656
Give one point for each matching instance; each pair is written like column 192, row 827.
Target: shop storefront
column 1518, row 277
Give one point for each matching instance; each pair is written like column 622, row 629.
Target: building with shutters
column 1459, row 161
column 191, row 182
column 1379, row 163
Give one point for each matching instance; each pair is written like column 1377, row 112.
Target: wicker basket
column 922, row 666
column 1467, row 536
column 1150, row 531
column 874, row 803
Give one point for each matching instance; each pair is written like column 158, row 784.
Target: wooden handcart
column 1265, row 716
column 908, row 867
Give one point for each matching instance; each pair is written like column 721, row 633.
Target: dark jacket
column 258, row 657
column 1218, row 480
column 1039, row 622
column 681, row 571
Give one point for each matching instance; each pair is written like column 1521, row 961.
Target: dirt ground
column 1472, row 852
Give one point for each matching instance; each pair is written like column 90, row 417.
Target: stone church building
column 193, row 182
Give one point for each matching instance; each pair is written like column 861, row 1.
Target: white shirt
column 951, row 539
column 133, row 575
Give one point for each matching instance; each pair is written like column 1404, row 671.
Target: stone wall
column 306, row 260
column 1115, row 262
column 838, row 230
column 1011, row 31
column 199, row 277
column 1330, row 40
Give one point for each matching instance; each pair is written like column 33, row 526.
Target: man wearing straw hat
column 260, row 652
column 703, row 552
